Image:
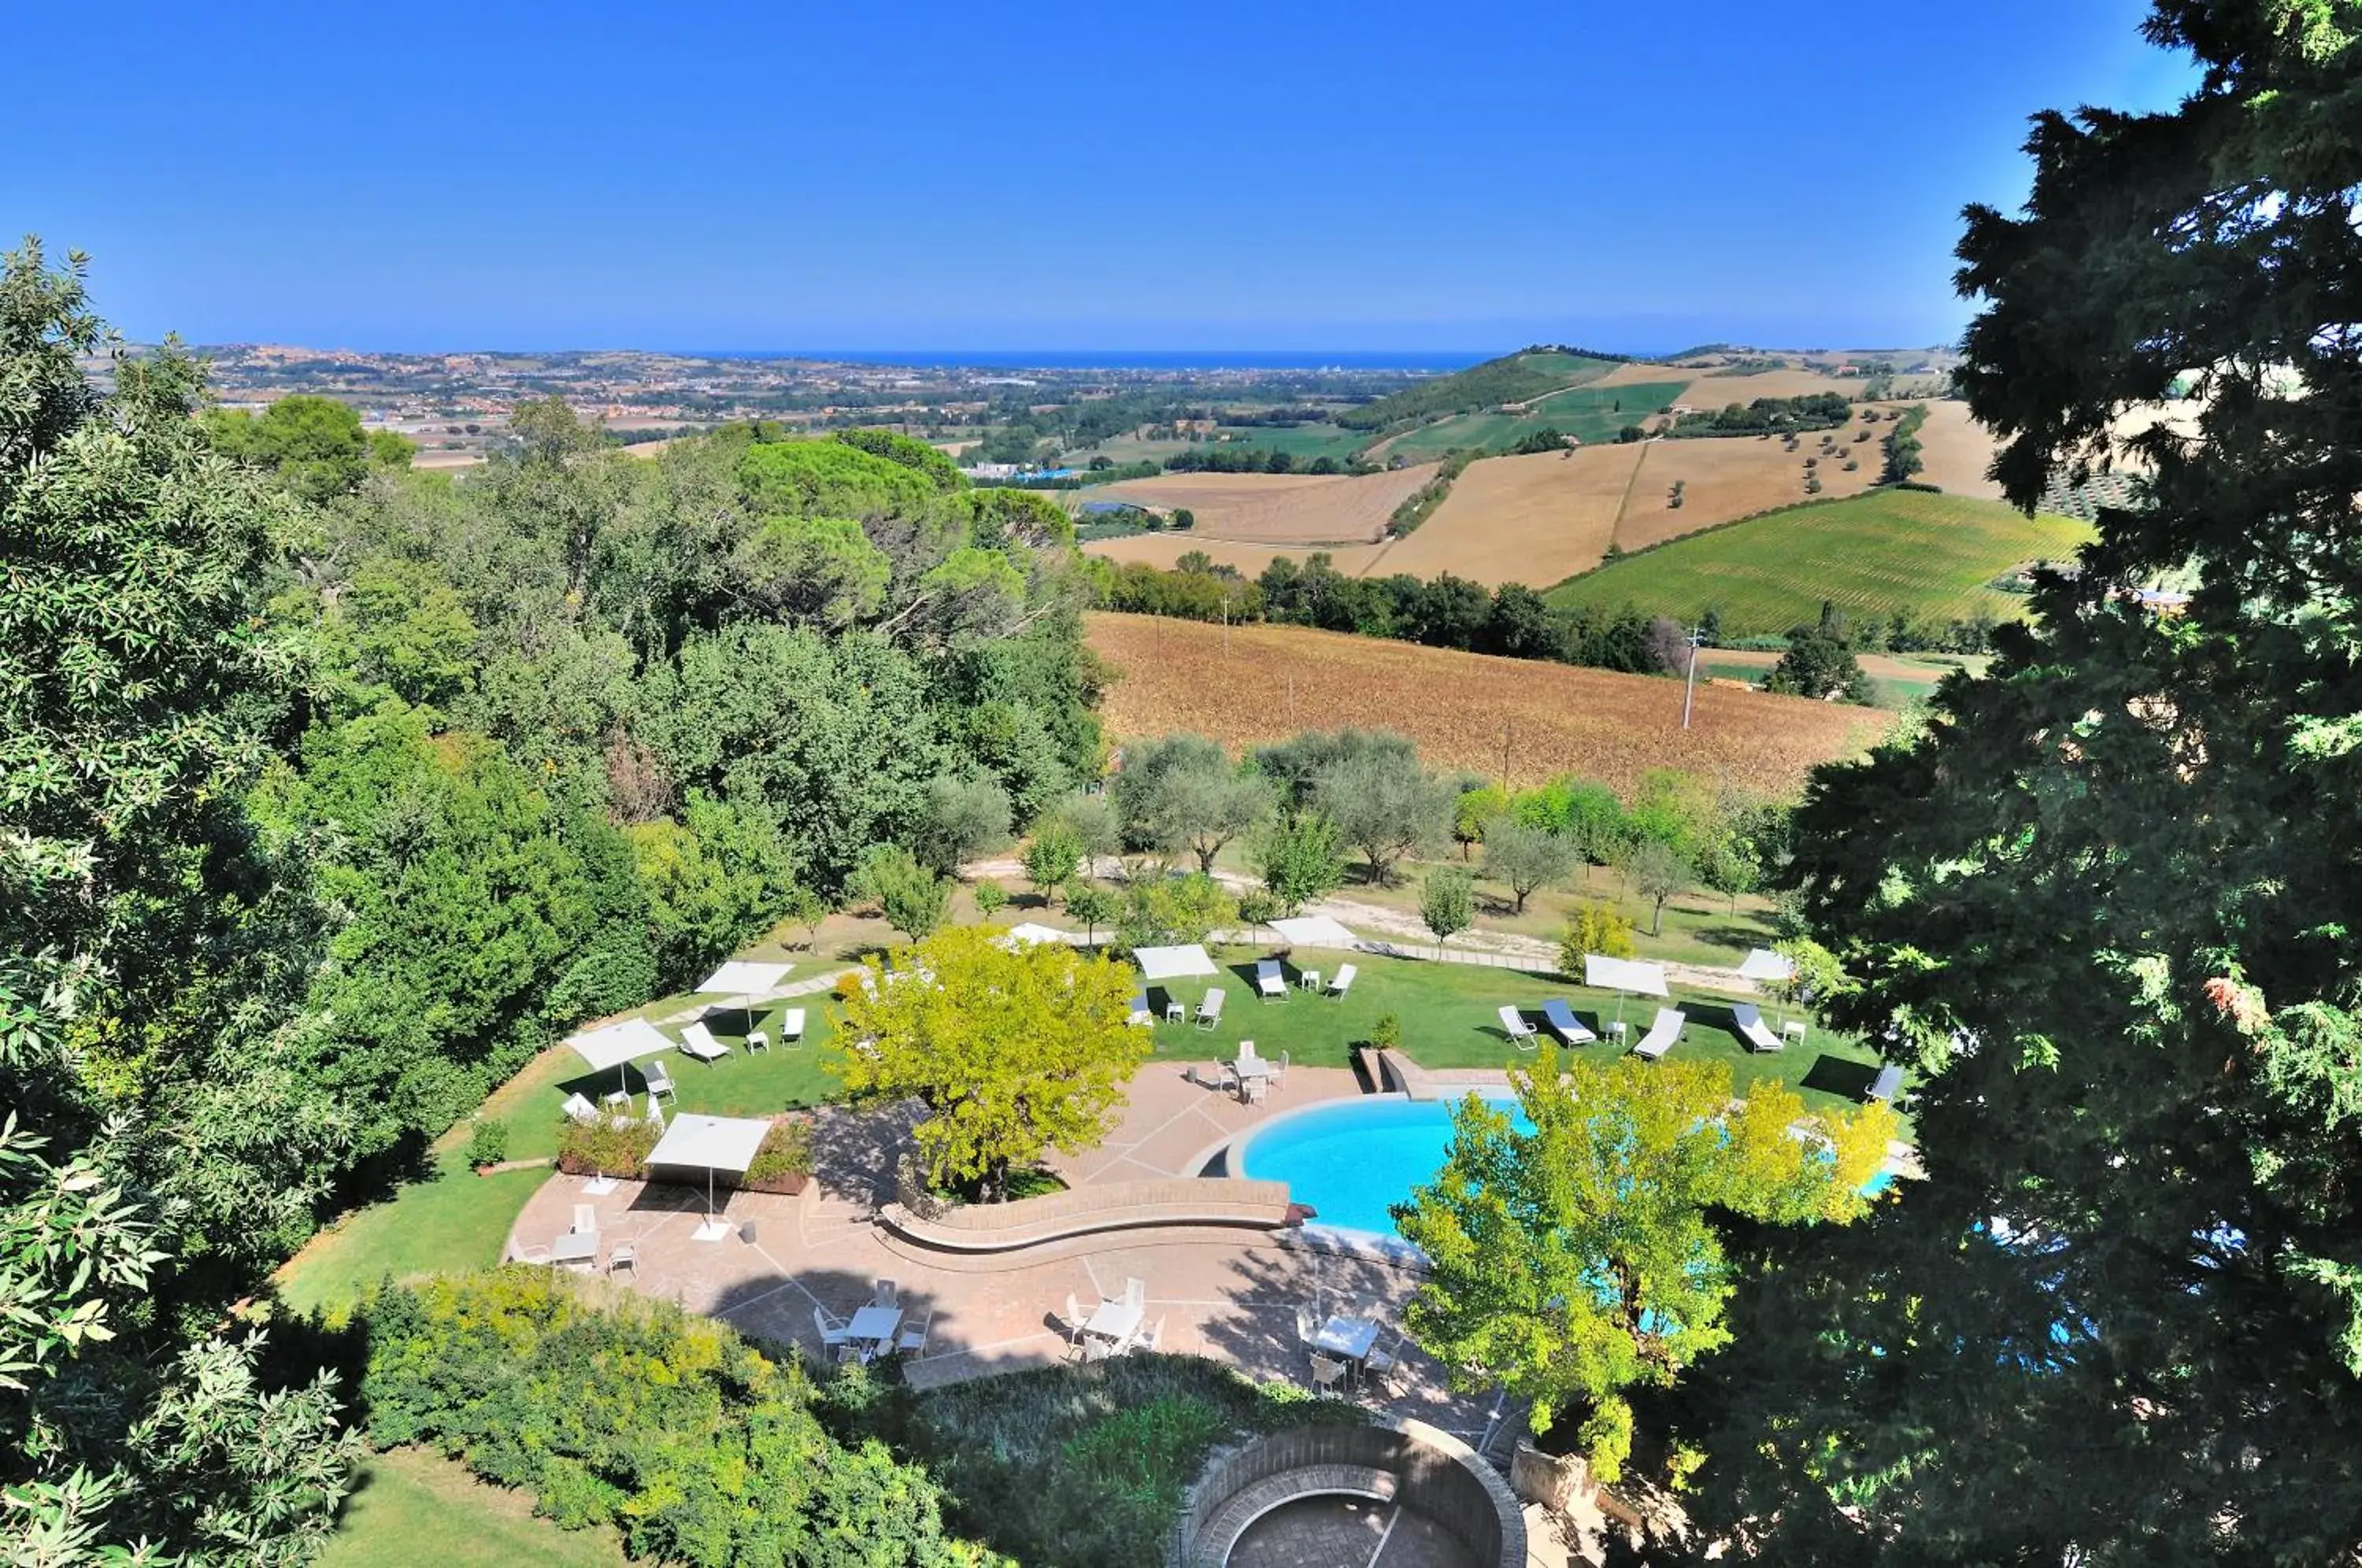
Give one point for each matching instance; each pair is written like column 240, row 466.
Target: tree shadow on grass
column 1839, row 1075
column 1742, row 937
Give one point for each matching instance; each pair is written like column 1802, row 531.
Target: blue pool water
column 1351, row 1161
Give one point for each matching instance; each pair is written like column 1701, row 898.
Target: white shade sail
column 1172, row 963
column 1623, row 974
column 711, row 1142
column 740, row 977
column 1315, row 931
column 1762, row 963
column 620, row 1043
column 1028, row 934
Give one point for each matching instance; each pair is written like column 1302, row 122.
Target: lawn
column 1450, row 1019
column 1591, row 415
column 457, row 1219
column 413, row 1507
column 1931, row 557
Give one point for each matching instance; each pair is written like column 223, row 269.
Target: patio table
column 1174, row 1012
column 876, row 1326
column 575, row 1247
column 1307, row 979
column 1349, row 1337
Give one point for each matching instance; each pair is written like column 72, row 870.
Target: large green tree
column 1572, row 1250
column 153, row 1128
column 1015, row 1048
column 2109, row 903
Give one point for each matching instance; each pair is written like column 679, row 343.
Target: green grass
column 458, row 1220
column 1450, row 1019
column 1591, row 415
column 1927, row 556
column 1305, row 441
column 413, row 1507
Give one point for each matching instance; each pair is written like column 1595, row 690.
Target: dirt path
column 1390, row 924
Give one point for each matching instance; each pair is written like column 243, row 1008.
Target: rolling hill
column 1513, row 378
column 1930, row 557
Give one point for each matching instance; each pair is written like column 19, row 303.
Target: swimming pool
column 1352, row 1160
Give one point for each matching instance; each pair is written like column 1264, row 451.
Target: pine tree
column 2109, row 905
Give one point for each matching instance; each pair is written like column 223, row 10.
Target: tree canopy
column 1571, row 1245
column 2107, row 904
column 1015, row 1048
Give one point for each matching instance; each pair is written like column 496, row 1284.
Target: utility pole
column 1689, row 685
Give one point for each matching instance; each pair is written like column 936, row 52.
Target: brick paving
column 1225, row 1293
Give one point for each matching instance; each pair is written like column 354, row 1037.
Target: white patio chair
column 885, row 1293
column 579, row 1110
column 1149, row 1340
column 1748, row 1019
column 1209, row 1011
column 791, row 1029
column 626, row 1256
column 1270, row 981
column 1135, row 1293
column 1521, row 1034
column 1075, row 1319
column 1329, row 1377
column 1662, row 1033
column 1307, row 1325
column 913, row 1342
column 834, row 1333
column 1343, row 982
column 1279, row 1073
column 658, row 1082
column 697, row 1040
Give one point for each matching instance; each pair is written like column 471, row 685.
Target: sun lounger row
column 697, row 1040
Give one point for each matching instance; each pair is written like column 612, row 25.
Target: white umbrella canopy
column 1315, row 931
column 1172, row 963
column 1622, row 976
column 1032, row 933
column 618, row 1043
column 716, row 1143
column 1761, row 964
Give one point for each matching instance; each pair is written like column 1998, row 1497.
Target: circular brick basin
column 1394, row 1497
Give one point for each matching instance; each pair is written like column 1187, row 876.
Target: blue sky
column 1272, row 175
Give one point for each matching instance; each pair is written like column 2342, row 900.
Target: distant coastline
column 1120, row 358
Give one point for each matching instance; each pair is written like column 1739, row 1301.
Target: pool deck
column 1223, row 1293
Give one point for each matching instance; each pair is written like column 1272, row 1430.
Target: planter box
column 788, row 1186
column 1554, row 1480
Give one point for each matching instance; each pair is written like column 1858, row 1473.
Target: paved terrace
column 1223, row 1292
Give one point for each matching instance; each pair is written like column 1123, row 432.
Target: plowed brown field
column 1279, row 509
column 1532, row 520
column 1729, row 477
column 1956, row 451
column 1247, row 685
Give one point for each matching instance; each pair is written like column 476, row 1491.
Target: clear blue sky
column 1219, row 174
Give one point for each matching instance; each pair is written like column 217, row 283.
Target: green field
column 1305, row 441
column 1929, row 556
column 1591, row 415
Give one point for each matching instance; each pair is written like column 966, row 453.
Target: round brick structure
column 1410, row 1466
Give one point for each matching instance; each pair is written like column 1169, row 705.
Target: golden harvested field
column 1956, row 451
column 1716, row 392
column 1247, row 685
column 1163, row 549
column 1729, row 477
column 1279, row 509
column 1533, row 519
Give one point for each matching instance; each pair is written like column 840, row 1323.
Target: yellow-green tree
column 1015, row 1050
column 1569, row 1250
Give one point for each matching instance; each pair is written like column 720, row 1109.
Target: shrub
column 785, row 1154
column 668, row 1427
column 990, row 899
column 1386, row 1033
column 1593, row 927
column 601, row 1148
column 489, row 1144
column 1257, row 907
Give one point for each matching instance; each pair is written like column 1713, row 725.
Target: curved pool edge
column 1204, row 1162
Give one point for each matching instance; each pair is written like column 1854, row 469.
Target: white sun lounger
column 1209, row 1011
column 1570, row 1029
column 1748, row 1018
column 1886, row 1086
column 697, row 1040
column 1662, row 1033
column 1343, row 982
column 1270, row 981
column 658, row 1081
column 1521, row 1034
column 792, row 1028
